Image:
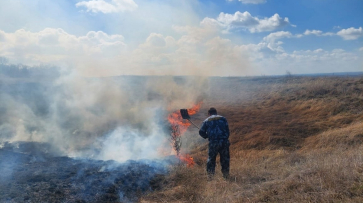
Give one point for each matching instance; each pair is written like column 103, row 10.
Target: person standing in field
column 216, row 129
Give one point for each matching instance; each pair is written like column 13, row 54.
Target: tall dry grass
column 300, row 141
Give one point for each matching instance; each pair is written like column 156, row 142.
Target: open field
column 293, row 139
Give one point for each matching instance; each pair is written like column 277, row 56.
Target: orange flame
column 177, row 121
column 187, row 159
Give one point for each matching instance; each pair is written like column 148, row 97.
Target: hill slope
column 293, row 139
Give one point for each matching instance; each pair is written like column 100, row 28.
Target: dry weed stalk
column 175, row 139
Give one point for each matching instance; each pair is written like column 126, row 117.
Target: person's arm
column 203, row 131
column 227, row 128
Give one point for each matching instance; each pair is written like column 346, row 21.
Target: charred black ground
column 29, row 173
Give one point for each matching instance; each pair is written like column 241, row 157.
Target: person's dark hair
column 212, row 111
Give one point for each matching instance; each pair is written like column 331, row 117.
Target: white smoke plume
column 116, row 118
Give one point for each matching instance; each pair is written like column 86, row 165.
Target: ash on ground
column 29, row 173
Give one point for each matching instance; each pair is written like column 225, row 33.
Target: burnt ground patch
column 28, row 173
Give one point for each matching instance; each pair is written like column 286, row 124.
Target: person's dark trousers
column 220, row 147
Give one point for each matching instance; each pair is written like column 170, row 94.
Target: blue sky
column 173, row 37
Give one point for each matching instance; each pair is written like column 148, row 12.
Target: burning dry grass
column 300, row 140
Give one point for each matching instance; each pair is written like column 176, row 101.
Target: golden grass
column 299, row 141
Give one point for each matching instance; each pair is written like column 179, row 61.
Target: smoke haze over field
column 117, row 118
column 199, row 51
column 83, row 105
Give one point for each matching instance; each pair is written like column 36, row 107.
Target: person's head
column 212, row 111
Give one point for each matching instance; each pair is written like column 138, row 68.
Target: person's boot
column 210, row 176
column 226, row 175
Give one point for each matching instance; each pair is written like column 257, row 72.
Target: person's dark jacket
column 215, row 127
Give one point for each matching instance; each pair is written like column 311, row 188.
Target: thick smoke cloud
column 194, row 51
column 117, row 118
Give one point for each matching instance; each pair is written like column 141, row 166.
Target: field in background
column 293, row 139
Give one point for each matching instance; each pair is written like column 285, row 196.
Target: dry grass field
column 293, row 139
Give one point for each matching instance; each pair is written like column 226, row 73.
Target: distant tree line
column 22, row 71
